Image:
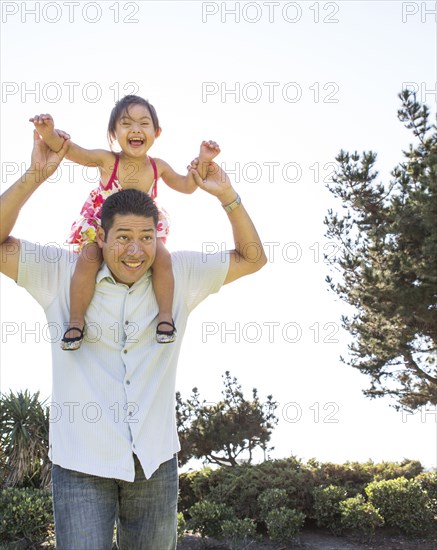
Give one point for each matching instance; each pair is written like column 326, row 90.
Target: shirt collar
column 105, row 273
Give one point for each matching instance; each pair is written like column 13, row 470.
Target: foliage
column 360, row 516
column 327, row 508
column 224, row 432
column 238, row 533
column 402, row 503
column 387, row 264
column 207, row 518
column 283, row 524
column 182, row 526
column 24, row 429
column 240, row 487
column 25, row 513
column 428, row 483
column 354, row 476
column 271, row 499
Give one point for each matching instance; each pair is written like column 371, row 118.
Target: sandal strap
column 166, row 331
column 74, row 338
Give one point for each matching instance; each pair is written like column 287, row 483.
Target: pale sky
column 282, row 86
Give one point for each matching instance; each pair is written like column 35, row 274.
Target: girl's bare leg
column 163, row 285
column 82, row 289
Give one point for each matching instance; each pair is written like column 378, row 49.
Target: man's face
column 130, row 247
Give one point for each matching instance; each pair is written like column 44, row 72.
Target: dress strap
column 114, row 172
column 153, row 192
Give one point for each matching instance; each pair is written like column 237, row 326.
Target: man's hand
column 216, row 182
column 44, row 162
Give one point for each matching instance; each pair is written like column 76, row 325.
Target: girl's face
column 134, row 131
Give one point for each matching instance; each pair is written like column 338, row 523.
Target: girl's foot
column 166, row 336
column 71, row 343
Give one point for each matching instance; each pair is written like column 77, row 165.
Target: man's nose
column 134, row 248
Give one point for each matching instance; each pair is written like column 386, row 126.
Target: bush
column 283, row 525
column 25, row 513
column 272, row 499
column 207, row 517
column 327, row 507
column 402, row 503
column 354, row 476
column 239, row 487
column 428, row 483
column 360, row 516
column 182, row 526
column 239, row 533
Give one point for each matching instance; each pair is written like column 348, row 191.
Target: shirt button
column 125, row 351
column 128, row 382
column 126, row 322
column 130, row 413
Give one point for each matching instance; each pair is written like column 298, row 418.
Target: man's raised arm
column 44, row 162
column 248, row 255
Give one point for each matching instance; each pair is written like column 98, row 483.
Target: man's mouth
column 132, row 264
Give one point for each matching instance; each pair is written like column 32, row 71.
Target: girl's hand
column 208, row 151
column 44, row 124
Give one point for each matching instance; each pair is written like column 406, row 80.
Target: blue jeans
column 86, row 508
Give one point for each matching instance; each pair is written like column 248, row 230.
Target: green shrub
column 25, row 513
column 272, row 499
column 182, row 526
column 239, row 487
column 207, row 517
column 284, row 525
column 402, row 503
column 428, row 483
column 360, row 516
column 327, row 509
column 239, row 533
column 354, row 476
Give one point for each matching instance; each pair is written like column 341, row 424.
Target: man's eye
column 122, row 238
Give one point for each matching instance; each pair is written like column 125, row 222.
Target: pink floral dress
column 84, row 229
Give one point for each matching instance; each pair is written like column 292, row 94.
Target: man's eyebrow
column 129, row 230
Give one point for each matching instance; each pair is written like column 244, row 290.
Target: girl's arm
column 44, row 125
column 186, row 184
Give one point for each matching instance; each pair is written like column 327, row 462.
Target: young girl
column 134, row 125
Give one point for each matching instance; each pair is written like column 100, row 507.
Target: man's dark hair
column 122, row 107
column 125, row 202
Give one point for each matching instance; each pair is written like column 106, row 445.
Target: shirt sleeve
column 199, row 274
column 44, row 270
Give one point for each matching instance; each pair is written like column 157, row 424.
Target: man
column 113, row 437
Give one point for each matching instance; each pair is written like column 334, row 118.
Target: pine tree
column 224, row 432
column 387, row 265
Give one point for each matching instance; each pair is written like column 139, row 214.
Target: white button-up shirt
column 115, row 395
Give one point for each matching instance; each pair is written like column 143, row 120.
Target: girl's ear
column 158, row 132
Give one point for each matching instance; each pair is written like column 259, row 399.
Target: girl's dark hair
column 125, row 202
column 122, row 106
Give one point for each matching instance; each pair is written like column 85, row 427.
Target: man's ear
column 100, row 236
